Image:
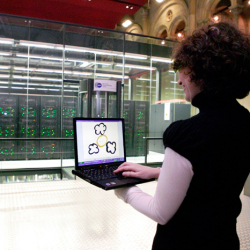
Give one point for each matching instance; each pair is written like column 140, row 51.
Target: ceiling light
column 24, row 69
column 81, row 73
column 145, row 79
column 110, row 75
column 40, row 45
column 53, row 71
column 35, row 78
column 4, row 67
column 161, row 59
column 40, row 57
column 75, row 48
column 126, row 23
column 29, row 88
column 6, row 41
column 58, row 58
column 4, row 76
column 54, row 89
column 18, row 83
column 17, row 88
column 88, row 50
column 134, row 56
column 85, row 64
column 5, row 53
column 135, row 66
column 159, row 1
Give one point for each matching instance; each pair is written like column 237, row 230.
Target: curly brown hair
column 218, row 57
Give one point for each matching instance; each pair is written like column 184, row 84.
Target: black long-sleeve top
column 217, row 143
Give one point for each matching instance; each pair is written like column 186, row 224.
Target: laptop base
column 112, row 183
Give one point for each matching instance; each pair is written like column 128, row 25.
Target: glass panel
column 34, row 84
column 136, row 110
column 155, row 152
column 94, row 53
column 44, row 68
column 170, row 90
column 145, row 88
column 126, row 89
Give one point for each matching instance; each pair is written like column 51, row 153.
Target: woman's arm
column 135, row 170
column 173, row 183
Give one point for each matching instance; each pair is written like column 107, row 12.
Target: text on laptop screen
column 99, row 141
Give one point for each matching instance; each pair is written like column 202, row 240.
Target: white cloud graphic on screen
column 111, row 147
column 93, row 149
column 100, row 129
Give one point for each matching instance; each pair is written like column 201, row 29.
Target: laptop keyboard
column 100, row 173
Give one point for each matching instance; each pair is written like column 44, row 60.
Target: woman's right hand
column 135, row 170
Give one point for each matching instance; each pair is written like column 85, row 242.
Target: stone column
column 192, row 15
column 236, row 10
column 145, row 15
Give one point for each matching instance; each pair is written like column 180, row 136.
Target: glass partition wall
column 43, row 66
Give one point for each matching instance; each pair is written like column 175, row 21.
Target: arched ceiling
column 95, row 13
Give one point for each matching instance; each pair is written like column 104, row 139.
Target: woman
column 207, row 159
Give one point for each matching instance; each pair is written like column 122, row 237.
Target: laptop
column 99, row 150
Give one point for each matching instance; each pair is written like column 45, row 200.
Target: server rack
column 28, row 127
column 128, row 116
column 8, row 126
column 140, row 126
column 50, row 127
column 136, row 117
column 69, row 110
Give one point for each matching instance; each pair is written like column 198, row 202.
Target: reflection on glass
column 41, row 72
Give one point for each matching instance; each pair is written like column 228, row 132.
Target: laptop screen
column 98, row 141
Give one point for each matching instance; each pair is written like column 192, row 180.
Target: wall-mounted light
column 180, row 35
column 249, row 2
column 126, row 23
column 129, row 7
column 216, row 18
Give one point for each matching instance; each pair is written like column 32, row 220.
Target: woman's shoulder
column 179, row 131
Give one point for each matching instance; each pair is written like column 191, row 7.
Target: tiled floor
column 75, row 215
